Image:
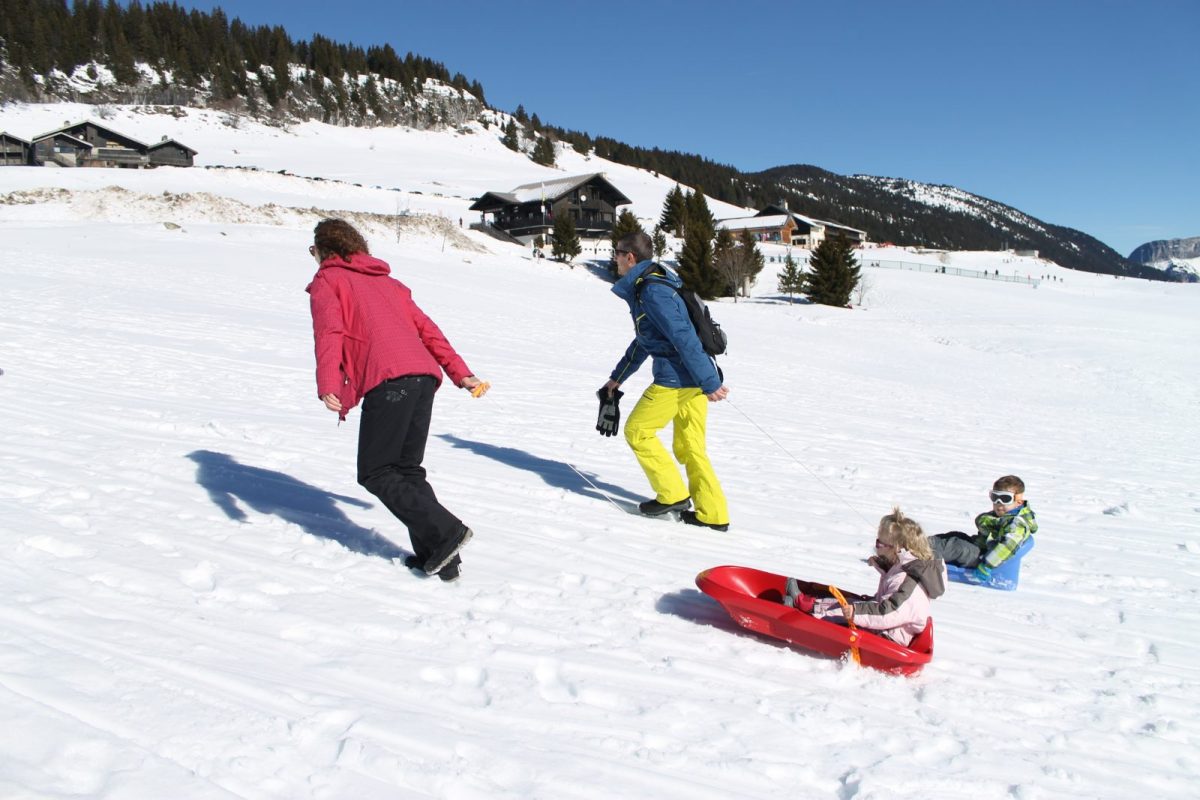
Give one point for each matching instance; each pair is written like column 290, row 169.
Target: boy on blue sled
column 999, row 532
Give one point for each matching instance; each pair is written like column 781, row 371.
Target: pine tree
column 698, row 216
column 659, row 240
column 696, row 263
column 674, row 212
column 510, row 139
column 626, row 224
column 791, row 278
column 754, row 258
column 543, row 151
column 724, row 242
column 727, row 261
column 834, row 272
column 564, row 242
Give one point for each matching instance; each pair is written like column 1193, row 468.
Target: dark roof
column 65, row 135
column 102, row 128
column 166, row 142
column 7, row 135
column 541, row 191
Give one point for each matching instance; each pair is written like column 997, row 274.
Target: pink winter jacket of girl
column 900, row 609
column 368, row 329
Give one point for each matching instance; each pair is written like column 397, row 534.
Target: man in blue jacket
column 685, row 381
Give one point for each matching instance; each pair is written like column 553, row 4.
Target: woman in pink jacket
column 374, row 344
column 910, row 576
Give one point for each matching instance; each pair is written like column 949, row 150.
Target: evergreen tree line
column 712, row 262
column 39, row 36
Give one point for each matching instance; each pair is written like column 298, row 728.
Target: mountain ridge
column 262, row 73
column 1161, row 250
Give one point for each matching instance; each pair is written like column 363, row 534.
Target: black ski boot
column 691, row 519
column 653, row 508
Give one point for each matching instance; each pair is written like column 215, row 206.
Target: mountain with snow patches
column 1178, row 258
column 201, row 602
column 894, row 210
column 906, row 211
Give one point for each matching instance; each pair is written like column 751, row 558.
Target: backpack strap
column 653, row 275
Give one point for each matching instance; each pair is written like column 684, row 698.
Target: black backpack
column 712, row 338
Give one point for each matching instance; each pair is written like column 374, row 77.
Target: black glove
column 609, row 418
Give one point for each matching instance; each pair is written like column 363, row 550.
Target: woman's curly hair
column 338, row 237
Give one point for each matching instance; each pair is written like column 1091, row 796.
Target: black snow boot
column 448, row 573
column 653, row 508
column 691, row 519
column 449, row 549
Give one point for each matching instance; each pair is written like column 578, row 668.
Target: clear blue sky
column 1083, row 113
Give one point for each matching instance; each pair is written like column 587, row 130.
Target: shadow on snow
column 696, row 607
column 292, row 500
column 558, row 474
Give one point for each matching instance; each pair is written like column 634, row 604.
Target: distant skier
column 373, row 343
column 685, row 381
column 998, row 532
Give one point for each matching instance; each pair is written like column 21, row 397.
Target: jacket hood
column 626, row 287
column 930, row 573
column 358, row 262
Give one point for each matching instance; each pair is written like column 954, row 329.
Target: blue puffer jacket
column 663, row 331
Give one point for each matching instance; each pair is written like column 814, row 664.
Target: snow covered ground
column 200, row 602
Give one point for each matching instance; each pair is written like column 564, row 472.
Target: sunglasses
column 621, row 252
column 312, row 249
column 882, row 545
column 1002, row 497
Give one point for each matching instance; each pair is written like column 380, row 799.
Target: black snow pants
column 391, row 447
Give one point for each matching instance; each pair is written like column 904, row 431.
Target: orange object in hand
column 481, row 389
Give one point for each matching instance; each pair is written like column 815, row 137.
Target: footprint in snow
column 201, row 578
column 57, row 547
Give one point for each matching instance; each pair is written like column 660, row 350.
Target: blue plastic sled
column 1004, row 577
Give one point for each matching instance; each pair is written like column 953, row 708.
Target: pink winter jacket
column 900, row 609
column 368, row 329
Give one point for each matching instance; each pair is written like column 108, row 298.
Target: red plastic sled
column 755, row 601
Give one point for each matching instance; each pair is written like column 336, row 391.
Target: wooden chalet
column 779, row 225
column 171, row 153
column 90, row 144
column 15, row 151
column 60, row 148
column 529, row 210
column 108, row 147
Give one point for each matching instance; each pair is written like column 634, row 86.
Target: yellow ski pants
column 688, row 409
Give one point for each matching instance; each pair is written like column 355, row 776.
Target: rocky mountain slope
column 1179, row 259
column 1164, row 250
column 911, row 212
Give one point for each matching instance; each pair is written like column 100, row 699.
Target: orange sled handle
column 837, row 595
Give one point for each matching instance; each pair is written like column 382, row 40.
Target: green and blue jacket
column 998, row 537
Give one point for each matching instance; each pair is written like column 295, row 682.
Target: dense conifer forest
column 206, row 59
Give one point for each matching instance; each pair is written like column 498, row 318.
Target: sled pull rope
column 603, row 493
column 841, row 598
column 828, row 488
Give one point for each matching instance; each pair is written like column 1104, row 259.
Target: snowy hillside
column 200, row 601
column 902, row 210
